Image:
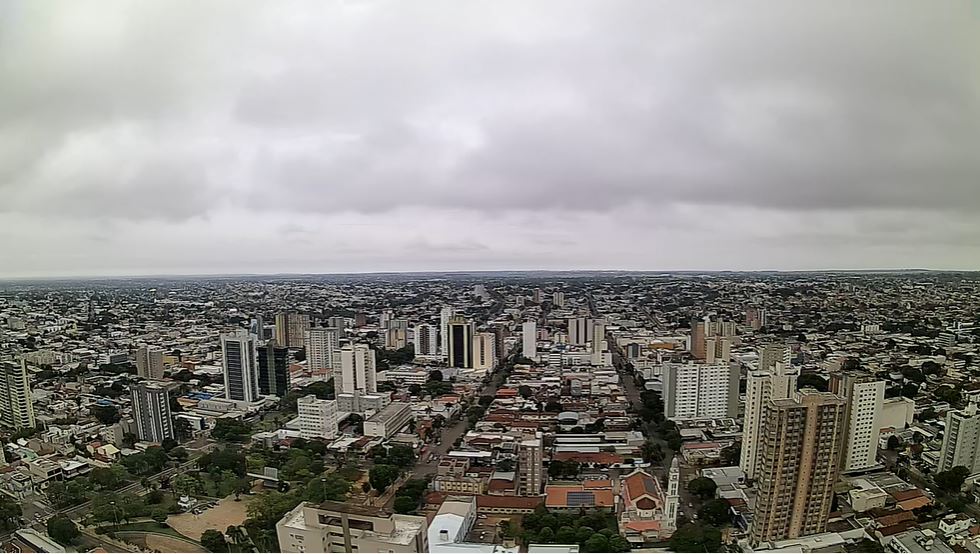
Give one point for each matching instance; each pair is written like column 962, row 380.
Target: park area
column 225, row 513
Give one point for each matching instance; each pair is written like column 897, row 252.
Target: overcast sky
column 244, row 137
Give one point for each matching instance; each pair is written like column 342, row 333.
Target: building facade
column 151, row 410
column 426, row 340
column 484, row 351
column 801, row 443
column 697, row 391
column 149, row 362
column 317, row 418
column 357, row 367
column 961, row 442
column 760, row 387
column 16, row 401
column 529, row 339
column 530, row 465
column 460, row 346
column 322, row 350
column 273, row 369
column 240, row 354
column 339, row 527
column 865, row 396
column 291, row 328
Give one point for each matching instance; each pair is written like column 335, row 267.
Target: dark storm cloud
column 178, row 112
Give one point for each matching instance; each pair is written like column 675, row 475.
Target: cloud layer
column 177, row 137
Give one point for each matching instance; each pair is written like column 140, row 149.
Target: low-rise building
column 389, row 420
column 339, row 527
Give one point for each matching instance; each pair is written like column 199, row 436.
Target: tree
column 405, row 505
column 716, row 512
column 618, row 543
column 236, row 534
column 179, row 454
column 330, row 487
column 415, row 389
column 597, row 543
column 232, row 430
column 62, row 529
column 867, row 545
column 730, row 455
column 946, row 393
column 486, row 400
column 505, row 465
column 696, row 537
column 811, row 380
column 106, row 414
column 894, row 443
column 382, row 476
column 168, row 444
column 553, row 406
column 702, row 487
column 10, row 513
column 159, row 515
column 214, row 540
column 525, row 391
column 435, row 375
column 952, row 480
column 910, row 390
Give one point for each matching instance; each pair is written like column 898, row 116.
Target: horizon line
column 165, row 276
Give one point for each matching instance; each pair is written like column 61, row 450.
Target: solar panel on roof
column 580, row 498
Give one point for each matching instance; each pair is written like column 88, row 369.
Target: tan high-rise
column 801, row 441
column 291, row 328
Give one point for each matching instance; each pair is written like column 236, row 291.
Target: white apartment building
column 447, row 313
column 426, row 340
column 149, row 362
column 317, row 418
column 695, row 391
column 961, row 443
column 357, row 369
column 484, row 351
column 580, row 330
column 761, row 387
column 862, row 418
column 16, row 403
column 322, row 349
column 529, row 339
column 558, row 299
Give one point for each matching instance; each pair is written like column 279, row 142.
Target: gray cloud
column 178, row 112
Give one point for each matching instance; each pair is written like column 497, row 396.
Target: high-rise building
column 529, row 339
column 699, row 391
column 256, row 326
column 386, row 316
column 317, row 418
column 396, row 338
column 484, row 351
column 291, row 328
column 336, row 322
column 536, row 296
column 777, row 383
column 358, row 369
column 16, row 401
column 798, row 467
column 239, row 350
column 445, row 315
column 460, row 343
column 961, row 441
column 426, row 340
column 711, row 340
column 865, row 398
column 755, row 317
column 598, row 336
column 151, row 410
column 580, row 330
column 273, row 369
column 345, row 527
column 322, row 350
column 499, row 333
column 558, row 299
column 530, row 465
column 149, row 362
column 772, row 353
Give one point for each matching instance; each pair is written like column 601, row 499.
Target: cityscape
column 489, row 277
column 493, row 412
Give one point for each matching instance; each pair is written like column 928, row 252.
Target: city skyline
column 591, row 135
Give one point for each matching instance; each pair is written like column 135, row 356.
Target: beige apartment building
column 800, row 446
